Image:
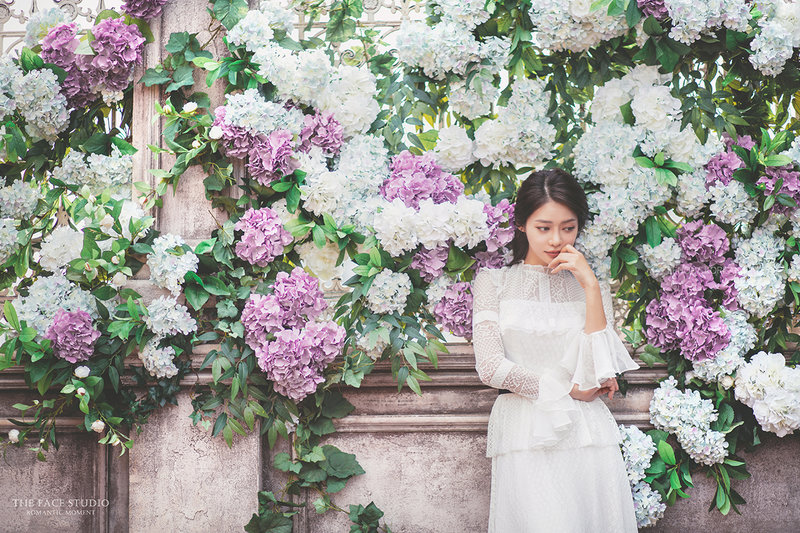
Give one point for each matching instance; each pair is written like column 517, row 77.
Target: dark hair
column 539, row 188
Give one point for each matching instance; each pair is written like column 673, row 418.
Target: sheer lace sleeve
column 594, row 357
column 493, row 368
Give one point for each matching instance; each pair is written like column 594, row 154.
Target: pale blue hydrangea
column 691, row 19
column 19, row 200
column 251, row 111
column 794, row 151
column 604, row 154
column 8, row 239
column 468, row 13
column 169, row 262
column 97, row 172
column 661, row 259
column 40, row 23
column 279, row 15
column 647, row 504
column 793, row 270
column 388, row 292
column 732, row 205
column 46, row 296
column 165, row 316
column 8, row 73
column 771, row 49
column 703, row 445
column 692, row 193
column 41, row 104
column 253, row 31
column 158, row 361
column 572, row 25
column 475, row 100
column 637, row 451
column 761, row 281
column 445, row 48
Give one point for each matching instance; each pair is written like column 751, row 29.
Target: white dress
column 556, row 462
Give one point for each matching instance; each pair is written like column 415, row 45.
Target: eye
column 571, row 228
column 542, row 228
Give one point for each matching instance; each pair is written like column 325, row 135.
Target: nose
column 555, row 239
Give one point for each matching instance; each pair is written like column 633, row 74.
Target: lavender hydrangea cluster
column 264, row 236
column 789, row 179
column 682, row 318
column 143, row 9
column 655, row 8
column 430, row 263
column 291, row 348
column 388, row 292
column 454, row 310
column 323, row 130
column 688, row 416
column 170, row 262
column 415, row 178
column 49, row 294
column 771, row 389
column 72, row 335
column 272, row 157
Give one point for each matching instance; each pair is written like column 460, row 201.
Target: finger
column 611, row 394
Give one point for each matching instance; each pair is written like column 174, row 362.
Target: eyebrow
column 550, row 222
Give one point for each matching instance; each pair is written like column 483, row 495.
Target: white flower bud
column 726, row 382
column 190, row 107
column 13, row 435
column 82, row 372
column 215, row 133
column 98, row 426
column 81, row 391
column 41, row 441
column 119, row 279
column 168, row 109
column 195, row 144
column 115, row 260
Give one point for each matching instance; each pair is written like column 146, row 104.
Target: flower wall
column 394, row 168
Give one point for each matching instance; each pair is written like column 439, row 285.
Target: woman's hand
column 585, row 395
column 609, row 386
column 574, row 261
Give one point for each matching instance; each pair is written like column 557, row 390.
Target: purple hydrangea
column 322, row 130
column 656, row 8
column 59, row 45
column 745, row 141
column 721, row 168
column 262, row 315
column 499, row 219
column 143, row 9
column 264, row 236
column 727, row 278
column 81, row 81
column 272, row 157
column 118, row 47
column 454, row 310
column 688, row 280
column 687, row 324
column 489, row 260
column 704, row 243
column 790, row 186
column 418, row 177
column 296, row 359
column 299, row 295
column 430, row 263
column 72, row 335
column 236, row 141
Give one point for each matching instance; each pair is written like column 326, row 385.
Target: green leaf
column 196, row 296
column 457, row 260
column 653, row 231
column 205, row 246
column 29, row 60
column 666, row 452
column 230, row 12
column 777, row 160
column 340, row 464
column 11, row 315
column 124, row 146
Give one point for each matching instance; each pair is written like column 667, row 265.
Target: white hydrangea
column 475, row 100
column 252, row 31
column 46, row 296
column 251, row 111
column 761, row 281
column 470, row 13
column 637, row 451
column 169, row 262
column 647, row 504
column 373, row 343
column 167, row 317
column 97, row 172
column 771, row 388
column 793, row 270
column 349, row 95
column 521, row 135
column 8, row 239
column 689, row 417
column 445, row 48
column 320, row 261
column 158, row 361
column 41, row 104
column 728, row 360
column 454, row 149
column 572, row 25
column 40, row 24
column 654, row 107
column 779, row 35
column 279, row 13
column 8, row 73
column 394, row 226
column 468, row 221
column 793, row 152
column 388, row 292
column 692, row 193
column 60, row 247
column 661, row 259
column 19, row 200
column 731, row 204
column 604, row 154
column 692, row 19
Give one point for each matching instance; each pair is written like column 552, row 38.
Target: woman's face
column 549, row 229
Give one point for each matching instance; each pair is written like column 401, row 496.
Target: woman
column 543, row 334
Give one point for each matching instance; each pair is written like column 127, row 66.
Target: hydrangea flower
column 165, row 316
column 771, row 388
column 117, row 47
column 264, row 236
column 388, row 292
column 454, row 310
column 19, row 200
column 49, row 294
column 169, row 262
column 323, row 130
column 500, row 223
column 415, row 178
column 8, row 239
column 661, row 259
column 40, row 102
column 272, row 157
column 454, row 149
column 72, row 335
column 790, row 180
column 430, row 263
column 40, row 24
column 705, row 243
column 572, row 25
column 158, row 361
column 253, row 31
column 143, row 9
column 60, row 247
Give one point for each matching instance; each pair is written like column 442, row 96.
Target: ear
column 522, row 229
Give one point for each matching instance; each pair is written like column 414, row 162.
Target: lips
column 554, row 254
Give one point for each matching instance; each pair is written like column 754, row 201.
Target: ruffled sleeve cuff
column 596, row 357
column 554, row 413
